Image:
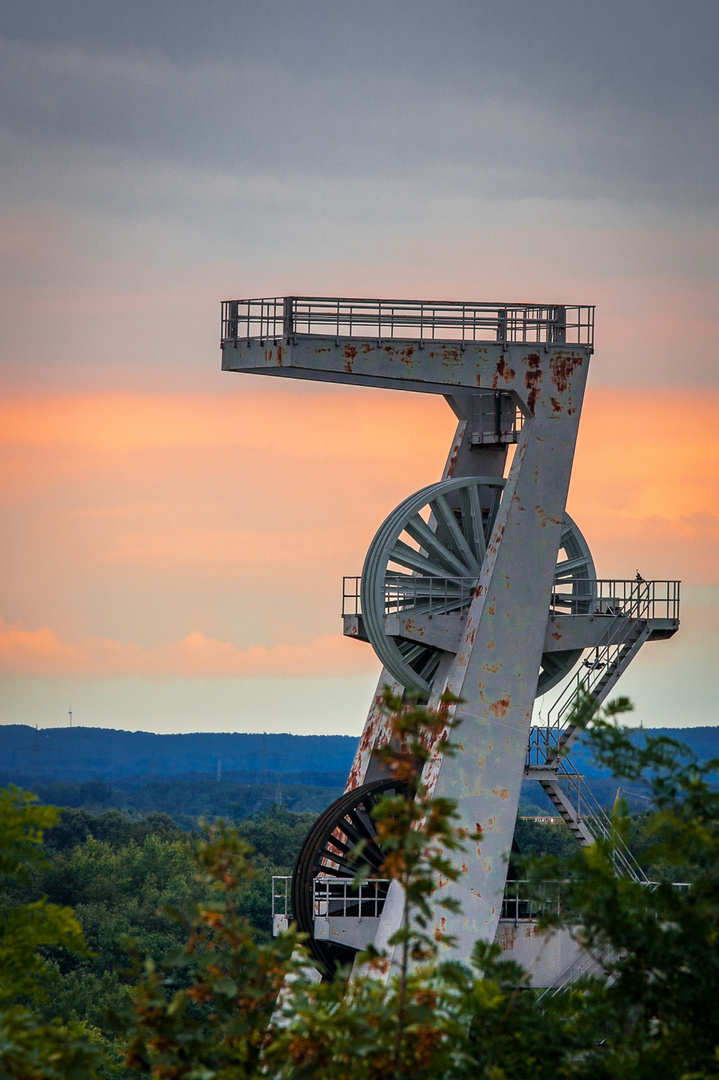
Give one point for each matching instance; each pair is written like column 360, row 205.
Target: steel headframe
column 478, row 585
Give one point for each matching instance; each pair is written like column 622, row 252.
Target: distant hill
column 704, row 741
column 85, row 753
column 309, row 764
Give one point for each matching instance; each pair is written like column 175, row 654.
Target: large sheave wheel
column 327, row 851
column 438, row 534
column 430, row 550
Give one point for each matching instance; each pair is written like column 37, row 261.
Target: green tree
column 226, row 1021
column 655, row 1011
column 29, row 1047
column 207, row 1011
column 415, row 831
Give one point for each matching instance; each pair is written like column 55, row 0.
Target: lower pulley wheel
column 327, row 852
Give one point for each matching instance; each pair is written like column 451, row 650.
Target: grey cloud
column 559, row 110
column 349, row 146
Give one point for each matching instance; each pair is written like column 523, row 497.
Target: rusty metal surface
column 543, row 955
column 434, row 369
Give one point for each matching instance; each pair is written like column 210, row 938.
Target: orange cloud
column 41, row 653
column 33, row 652
column 157, row 500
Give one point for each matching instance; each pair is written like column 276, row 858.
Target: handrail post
column 231, row 319
column 288, row 321
column 502, row 326
column 559, row 326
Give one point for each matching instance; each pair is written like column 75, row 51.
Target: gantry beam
column 427, row 346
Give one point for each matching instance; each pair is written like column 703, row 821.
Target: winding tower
column 479, row 584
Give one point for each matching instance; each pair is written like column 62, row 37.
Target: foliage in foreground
column 28, row 1047
column 209, row 1010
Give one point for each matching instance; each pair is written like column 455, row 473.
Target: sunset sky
column 174, row 537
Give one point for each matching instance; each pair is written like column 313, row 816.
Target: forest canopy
column 130, row 947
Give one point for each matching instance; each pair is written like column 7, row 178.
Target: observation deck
column 426, row 345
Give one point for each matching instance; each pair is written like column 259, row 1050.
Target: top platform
column 428, row 345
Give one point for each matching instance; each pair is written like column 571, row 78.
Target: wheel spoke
column 452, row 532
column 411, row 651
column 473, row 520
column 356, row 829
column 339, row 861
column 430, row 668
column 344, row 847
column 424, row 587
column 569, row 567
column 420, row 531
column 414, row 560
column 325, row 855
column 494, row 500
column 564, row 600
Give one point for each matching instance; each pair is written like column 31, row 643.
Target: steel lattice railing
column 611, row 598
column 628, row 607
column 342, row 898
column 286, row 317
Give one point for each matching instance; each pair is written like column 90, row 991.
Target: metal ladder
column 564, row 787
column 605, row 668
column 586, row 819
column 584, row 964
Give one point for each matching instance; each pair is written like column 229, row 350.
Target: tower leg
column 495, row 672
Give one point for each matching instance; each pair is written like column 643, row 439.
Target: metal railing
column 281, row 889
column 421, row 594
column 351, row 595
column 631, row 599
column 609, row 597
column 342, row 898
column 525, row 901
column 286, row 317
column 636, row 602
column 588, row 960
column 541, row 745
column 582, row 965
